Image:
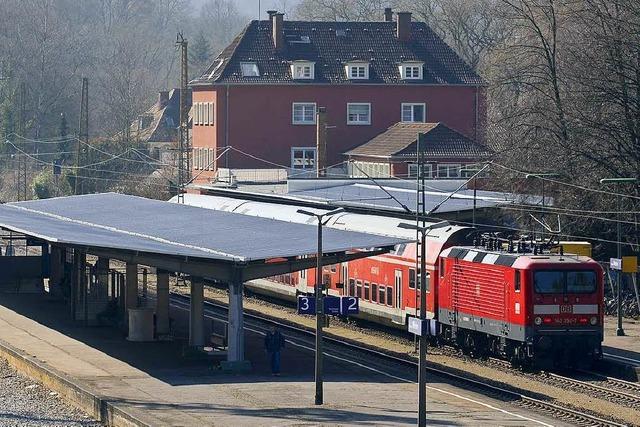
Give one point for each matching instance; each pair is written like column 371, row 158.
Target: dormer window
column 357, row 70
column 411, row 71
column 249, row 69
column 303, row 70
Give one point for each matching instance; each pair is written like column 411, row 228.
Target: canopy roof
column 119, row 222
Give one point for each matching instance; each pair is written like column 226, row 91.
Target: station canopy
column 148, row 231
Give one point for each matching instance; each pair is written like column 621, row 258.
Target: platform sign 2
column 306, row 305
column 349, row 305
column 331, row 305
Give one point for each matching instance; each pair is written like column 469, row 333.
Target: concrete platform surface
column 154, row 385
column 624, row 349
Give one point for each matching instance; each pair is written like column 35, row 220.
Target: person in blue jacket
column 273, row 344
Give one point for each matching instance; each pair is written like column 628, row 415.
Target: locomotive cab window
column 516, row 282
column 571, row 282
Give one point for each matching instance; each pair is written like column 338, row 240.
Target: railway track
column 351, row 349
column 614, row 390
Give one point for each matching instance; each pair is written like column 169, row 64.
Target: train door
column 345, row 278
column 302, row 280
column 398, row 286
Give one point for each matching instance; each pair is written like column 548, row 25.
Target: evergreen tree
column 199, row 54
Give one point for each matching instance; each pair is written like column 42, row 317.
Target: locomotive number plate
column 566, row 308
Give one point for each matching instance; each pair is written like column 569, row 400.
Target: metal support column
column 235, row 351
column 56, row 270
column 162, row 303
column 196, row 313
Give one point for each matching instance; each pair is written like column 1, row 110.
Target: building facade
column 262, row 94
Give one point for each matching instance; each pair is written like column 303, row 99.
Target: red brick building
column 262, row 92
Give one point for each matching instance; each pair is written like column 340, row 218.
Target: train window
column 428, row 282
column 374, row 292
column 352, row 287
column 381, row 294
column 581, row 282
column 366, row 291
column 359, row 288
column 441, row 268
column 389, row 295
column 516, row 282
column 412, row 278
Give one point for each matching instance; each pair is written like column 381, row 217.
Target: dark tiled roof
column 330, row 46
column 400, row 140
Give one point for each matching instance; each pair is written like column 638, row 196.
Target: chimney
column 321, row 142
column 404, row 26
column 163, row 98
column 388, row 14
column 271, row 13
column 277, row 23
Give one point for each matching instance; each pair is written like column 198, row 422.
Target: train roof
column 511, row 259
column 374, row 224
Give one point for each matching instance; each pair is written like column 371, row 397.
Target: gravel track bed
column 24, row 402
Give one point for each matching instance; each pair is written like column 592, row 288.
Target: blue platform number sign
column 349, row 305
column 331, row 305
column 306, row 305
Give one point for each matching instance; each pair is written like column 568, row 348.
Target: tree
column 199, row 54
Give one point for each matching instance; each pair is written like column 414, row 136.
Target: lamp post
column 542, row 177
column 618, row 181
column 319, row 300
column 422, row 373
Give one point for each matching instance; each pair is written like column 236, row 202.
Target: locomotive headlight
column 538, row 320
column 593, row 320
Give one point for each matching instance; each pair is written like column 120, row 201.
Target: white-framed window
column 302, row 70
column 358, row 113
column 411, row 71
column 357, row 71
column 412, row 170
column 303, row 158
column 361, row 169
column 194, row 113
column 304, row 113
column 249, row 69
column 210, row 113
column 414, row 112
column 448, row 170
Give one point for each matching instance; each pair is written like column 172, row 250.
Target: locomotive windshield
column 563, row 281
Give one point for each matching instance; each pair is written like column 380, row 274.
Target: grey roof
column 372, row 197
column 122, row 222
column 332, row 44
column 400, row 141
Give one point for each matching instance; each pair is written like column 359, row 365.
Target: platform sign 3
column 306, row 305
column 349, row 305
column 331, row 305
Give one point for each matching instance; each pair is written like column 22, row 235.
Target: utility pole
column 321, row 142
column 319, row 397
column 22, row 173
column 83, row 135
column 184, row 147
column 617, row 182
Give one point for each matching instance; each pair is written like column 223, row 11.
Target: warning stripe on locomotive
column 472, row 255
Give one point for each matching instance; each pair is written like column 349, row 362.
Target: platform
column 625, row 349
column 151, row 384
